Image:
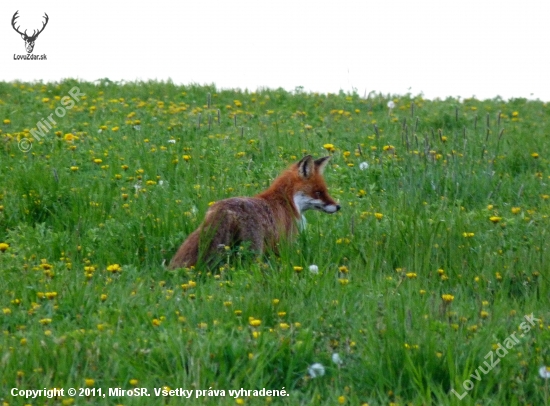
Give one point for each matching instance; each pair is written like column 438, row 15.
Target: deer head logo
column 29, row 40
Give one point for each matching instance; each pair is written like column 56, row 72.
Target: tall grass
column 438, row 253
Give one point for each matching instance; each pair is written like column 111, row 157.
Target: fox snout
column 328, row 208
column 305, row 202
column 331, row 208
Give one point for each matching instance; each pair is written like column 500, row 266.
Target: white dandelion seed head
column 137, row 127
column 314, row 269
column 100, row 131
column 364, row 165
column 391, row 104
column 171, row 141
column 316, row 370
column 544, row 372
column 336, row 359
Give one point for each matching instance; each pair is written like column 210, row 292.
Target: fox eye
column 318, row 194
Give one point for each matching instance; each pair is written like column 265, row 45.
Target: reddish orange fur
column 262, row 220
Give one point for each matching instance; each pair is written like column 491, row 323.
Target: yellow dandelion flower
column 70, row 137
column 133, row 382
column 515, row 210
column 535, row 155
column 255, row 322
column 7, row 121
column 447, row 298
column 4, row 246
column 89, row 382
column 298, row 268
column 329, row 147
column 378, row 216
column 98, row 161
column 410, row 275
column 114, row 268
column 495, row 219
column 284, row 326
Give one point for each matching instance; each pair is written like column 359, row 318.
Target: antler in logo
column 29, row 40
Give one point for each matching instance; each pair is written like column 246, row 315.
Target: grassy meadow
column 440, row 250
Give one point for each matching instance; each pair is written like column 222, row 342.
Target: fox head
column 310, row 190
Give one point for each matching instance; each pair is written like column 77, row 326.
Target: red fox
column 261, row 220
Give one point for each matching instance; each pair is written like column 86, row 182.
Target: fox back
column 262, row 220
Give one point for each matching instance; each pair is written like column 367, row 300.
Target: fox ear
column 306, row 166
column 321, row 163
